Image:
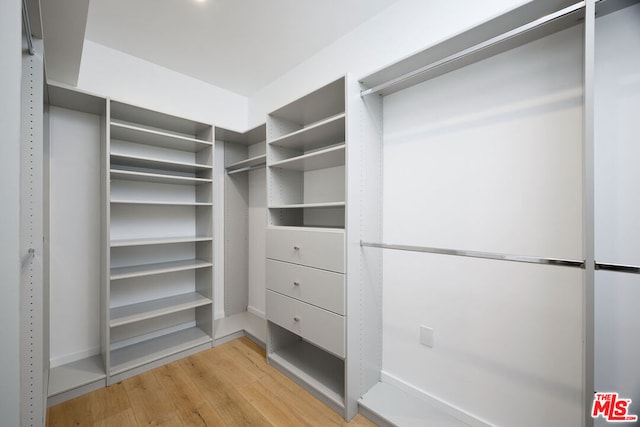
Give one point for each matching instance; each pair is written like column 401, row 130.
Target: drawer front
column 321, row 249
column 318, row 326
column 322, row 288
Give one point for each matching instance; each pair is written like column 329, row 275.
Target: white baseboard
column 444, row 406
column 261, row 314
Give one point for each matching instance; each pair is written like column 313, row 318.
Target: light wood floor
column 229, row 385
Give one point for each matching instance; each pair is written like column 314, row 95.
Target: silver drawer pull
column 296, row 248
column 296, row 283
column 296, row 319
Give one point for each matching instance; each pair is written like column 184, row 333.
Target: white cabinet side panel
column 75, row 192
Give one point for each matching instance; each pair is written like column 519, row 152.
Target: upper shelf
column 149, row 118
column 322, row 159
column 517, row 27
column 127, row 132
column 324, row 133
column 250, row 137
column 318, row 105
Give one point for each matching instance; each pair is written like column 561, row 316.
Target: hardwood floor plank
column 270, row 406
column 150, row 403
column 229, row 385
column 109, row 401
column 301, row 401
column 121, row 419
column 76, row 412
column 193, row 407
column 222, row 395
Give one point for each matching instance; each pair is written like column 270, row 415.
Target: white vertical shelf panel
column 75, row 200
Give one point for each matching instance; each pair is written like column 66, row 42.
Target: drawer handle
column 296, row 248
column 296, row 283
column 296, row 319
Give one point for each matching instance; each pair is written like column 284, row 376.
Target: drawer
column 322, row 288
column 320, row 327
column 321, row 249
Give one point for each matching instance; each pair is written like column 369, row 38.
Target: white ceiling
column 239, row 45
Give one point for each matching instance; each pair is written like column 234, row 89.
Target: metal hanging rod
column 478, row 47
column 478, row 254
column 618, row 267
column 248, row 168
column 27, row 28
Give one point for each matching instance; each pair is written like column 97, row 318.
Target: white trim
column 73, row 357
column 261, row 314
column 445, row 407
column 219, row 315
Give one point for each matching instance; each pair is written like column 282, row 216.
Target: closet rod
column 248, row 168
column 27, row 27
column 478, row 254
column 478, row 47
column 618, row 267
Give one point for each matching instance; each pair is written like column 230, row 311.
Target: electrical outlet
column 426, row 336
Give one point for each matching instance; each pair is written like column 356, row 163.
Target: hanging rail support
column 27, row 28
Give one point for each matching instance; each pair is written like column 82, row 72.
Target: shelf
column 150, row 309
column 159, row 241
column 156, row 177
column 75, row 374
column 247, row 164
column 397, row 407
column 158, row 268
column 159, row 203
column 317, row 368
column 322, row 159
column 135, row 355
column 311, row 205
column 121, row 159
column 125, row 132
column 321, row 134
column 327, row 101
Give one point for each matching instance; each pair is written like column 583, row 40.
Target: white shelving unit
column 159, row 230
column 315, row 163
column 244, row 220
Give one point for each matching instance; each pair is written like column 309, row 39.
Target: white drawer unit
column 320, row 327
column 314, row 248
column 321, row 288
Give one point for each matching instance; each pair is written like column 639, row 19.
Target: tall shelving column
column 244, row 162
column 314, row 309
column 159, row 239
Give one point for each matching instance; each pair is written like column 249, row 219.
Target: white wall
column 617, row 198
column 10, row 71
column 108, row 72
column 75, row 174
column 403, row 28
column 499, row 173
